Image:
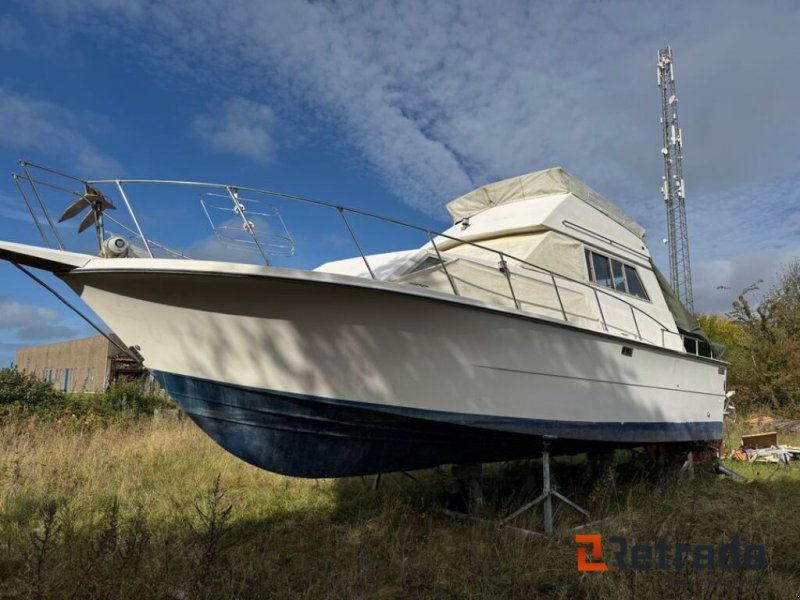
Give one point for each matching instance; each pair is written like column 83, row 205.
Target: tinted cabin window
column 611, row 273
column 602, row 271
column 635, row 286
column 618, row 276
column 428, row 262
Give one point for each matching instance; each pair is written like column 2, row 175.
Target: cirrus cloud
column 15, row 314
column 34, row 124
column 439, row 97
column 238, row 126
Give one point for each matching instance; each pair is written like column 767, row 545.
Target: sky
column 397, row 108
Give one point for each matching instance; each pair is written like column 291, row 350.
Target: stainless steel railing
column 233, row 192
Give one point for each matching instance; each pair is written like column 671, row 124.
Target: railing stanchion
column 600, row 308
column 558, row 295
column 503, row 266
column 247, row 224
column 441, row 260
column 22, row 193
column 24, row 166
column 133, row 218
column 355, row 241
column 635, row 322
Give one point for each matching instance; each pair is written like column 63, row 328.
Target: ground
column 154, row 509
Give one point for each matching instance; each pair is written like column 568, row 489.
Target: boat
column 538, row 316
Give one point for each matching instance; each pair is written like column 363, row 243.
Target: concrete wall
column 75, row 366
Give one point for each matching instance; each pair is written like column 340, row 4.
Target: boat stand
column 688, row 468
column 376, row 479
column 688, row 465
column 723, row 470
column 545, row 498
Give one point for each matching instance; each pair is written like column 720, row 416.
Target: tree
column 765, row 355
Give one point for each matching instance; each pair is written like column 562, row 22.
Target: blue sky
column 400, row 107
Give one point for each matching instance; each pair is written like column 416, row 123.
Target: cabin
column 547, row 244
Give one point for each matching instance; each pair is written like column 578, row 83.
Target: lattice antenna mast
column 673, row 187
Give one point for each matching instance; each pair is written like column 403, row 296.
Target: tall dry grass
column 156, row 510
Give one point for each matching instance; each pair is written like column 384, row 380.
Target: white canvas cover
column 546, row 249
column 560, row 254
column 540, row 183
column 534, row 291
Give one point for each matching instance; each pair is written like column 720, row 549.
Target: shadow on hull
column 307, row 436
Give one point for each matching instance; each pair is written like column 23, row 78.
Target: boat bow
column 55, row 261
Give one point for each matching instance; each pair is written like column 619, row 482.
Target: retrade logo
column 732, row 556
column 595, row 541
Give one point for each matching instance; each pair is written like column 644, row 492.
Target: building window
column 611, row 273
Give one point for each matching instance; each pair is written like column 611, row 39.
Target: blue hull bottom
column 307, row 436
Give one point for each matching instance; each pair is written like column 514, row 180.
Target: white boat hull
column 324, row 375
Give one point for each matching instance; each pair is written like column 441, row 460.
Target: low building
column 82, row 365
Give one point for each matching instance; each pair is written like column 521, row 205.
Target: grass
column 153, row 509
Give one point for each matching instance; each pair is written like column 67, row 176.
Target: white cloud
column 238, row 126
column 29, row 323
column 45, row 331
column 442, row 96
column 211, row 248
column 32, row 124
column 717, row 283
column 738, row 237
column 14, row 314
column 11, row 208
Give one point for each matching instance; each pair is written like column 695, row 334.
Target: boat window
column 619, row 276
column 428, row 262
column 602, row 271
column 635, row 286
column 614, row 274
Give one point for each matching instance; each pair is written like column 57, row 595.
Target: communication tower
column 673, row 187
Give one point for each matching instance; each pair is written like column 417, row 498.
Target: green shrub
column 24, row 396
column 18, row 387
column 138, row 396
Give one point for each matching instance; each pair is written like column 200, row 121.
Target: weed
column 157, row 510
column 211, row 533
column 42, row 541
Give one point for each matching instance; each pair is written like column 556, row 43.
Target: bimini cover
column 541, row 183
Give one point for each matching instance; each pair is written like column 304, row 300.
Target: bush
column 24, row 396
column 136, row 395
column 18, row 387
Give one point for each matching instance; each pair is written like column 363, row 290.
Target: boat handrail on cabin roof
column 233, row 192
